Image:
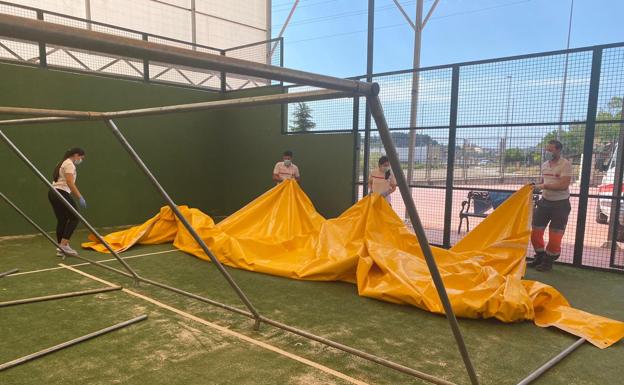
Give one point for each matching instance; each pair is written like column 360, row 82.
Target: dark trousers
column 66, row 221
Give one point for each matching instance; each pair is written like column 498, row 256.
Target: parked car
column 605, row 188
column 484, row 162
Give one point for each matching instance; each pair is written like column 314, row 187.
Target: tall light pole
column 507, row 121
column 565, row 73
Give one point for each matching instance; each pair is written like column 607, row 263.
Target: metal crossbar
column 26, row 29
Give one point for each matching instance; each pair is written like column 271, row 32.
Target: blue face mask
column 549, row 155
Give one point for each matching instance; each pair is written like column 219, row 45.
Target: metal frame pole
column 49, row 116
column 43, row 54
column 58, row 296
column 45, row 32
column 88, row 13
column 356, row 149
column 71, row 208
column 552, row 362
column 193, row 25
column 6, row 273
column 384, row 132
column 614, row 216
column 67, row 344
column 281, row 32
column 146, row 71
column 588, row 148
column 418, row 27
column 370, row 44
column 450, row 162
column 137, row 159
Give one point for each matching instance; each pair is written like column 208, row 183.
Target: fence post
column 356, row 148
column 43, row 57
column 588, row 147
column 223, row 79
column 146, row 75
column 450, row 162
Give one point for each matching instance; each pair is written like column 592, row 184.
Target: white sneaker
column 69, row 251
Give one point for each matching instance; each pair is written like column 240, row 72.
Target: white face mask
column 77, row 161
column 549, row 155
column 287, row 162
column 386, row 168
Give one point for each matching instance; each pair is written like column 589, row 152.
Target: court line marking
column 225, row 330
column 89, row 263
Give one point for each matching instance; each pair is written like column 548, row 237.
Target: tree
column 514, row 155
column 401, row 139
column 606, row 133
column 302, row 120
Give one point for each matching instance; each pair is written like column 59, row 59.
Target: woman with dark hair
column 381, row 180
column 64, row 181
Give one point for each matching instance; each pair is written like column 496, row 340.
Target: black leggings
column 66, row 221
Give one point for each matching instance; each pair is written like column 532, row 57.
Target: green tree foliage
column 606, row 133
column 401, row 139
column 302, row 120
column 514, row 155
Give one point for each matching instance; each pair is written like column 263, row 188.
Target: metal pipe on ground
column 552, row 362
column 57, row 296
column 290, row 329
column 12, row 271
column 377, row 113
column 55, row 116
column 359, row 353
column 133, row 154
column 68, row 205
column 67, row 344
column 56, row 34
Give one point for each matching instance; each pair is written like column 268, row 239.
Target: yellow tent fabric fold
column 280, row 233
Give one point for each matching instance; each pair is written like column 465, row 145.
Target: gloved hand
column 82, row 202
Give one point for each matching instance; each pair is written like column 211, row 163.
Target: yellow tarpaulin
column 281, row 233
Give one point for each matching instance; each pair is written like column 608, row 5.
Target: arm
column 277, row 178
column 563, row 184
column 72, row 186
column 297, row 175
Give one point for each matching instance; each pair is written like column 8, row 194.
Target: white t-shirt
column 286, row 172
column 379, row 182
column 553, row 174
column 67, row 167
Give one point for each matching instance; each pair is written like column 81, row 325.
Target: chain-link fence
column 35, row 53
column 489, row 137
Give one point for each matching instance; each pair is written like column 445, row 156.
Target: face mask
column 386, row 168
column 549, row 155
column 287, row 162
column 77, row 161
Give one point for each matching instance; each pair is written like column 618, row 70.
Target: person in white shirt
column 286, row 169
column 64, row 181
column 553, row 208
column 381, row 180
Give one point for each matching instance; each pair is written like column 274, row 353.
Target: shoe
column 69, row 251
column 59, row 253
column 547, row 263
column 537, row 259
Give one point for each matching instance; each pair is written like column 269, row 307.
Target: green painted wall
column 254, row 143
column 216, row 161
column 180, row 149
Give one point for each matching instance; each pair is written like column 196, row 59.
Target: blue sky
column 329, row 36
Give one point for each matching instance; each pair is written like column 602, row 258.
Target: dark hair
column 68, row 154
column 556, row 143
column 288, row 153
column 383, row 160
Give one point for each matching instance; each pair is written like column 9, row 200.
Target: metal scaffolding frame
column 44, row 32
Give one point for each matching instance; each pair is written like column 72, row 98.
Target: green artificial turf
column 168, row 348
